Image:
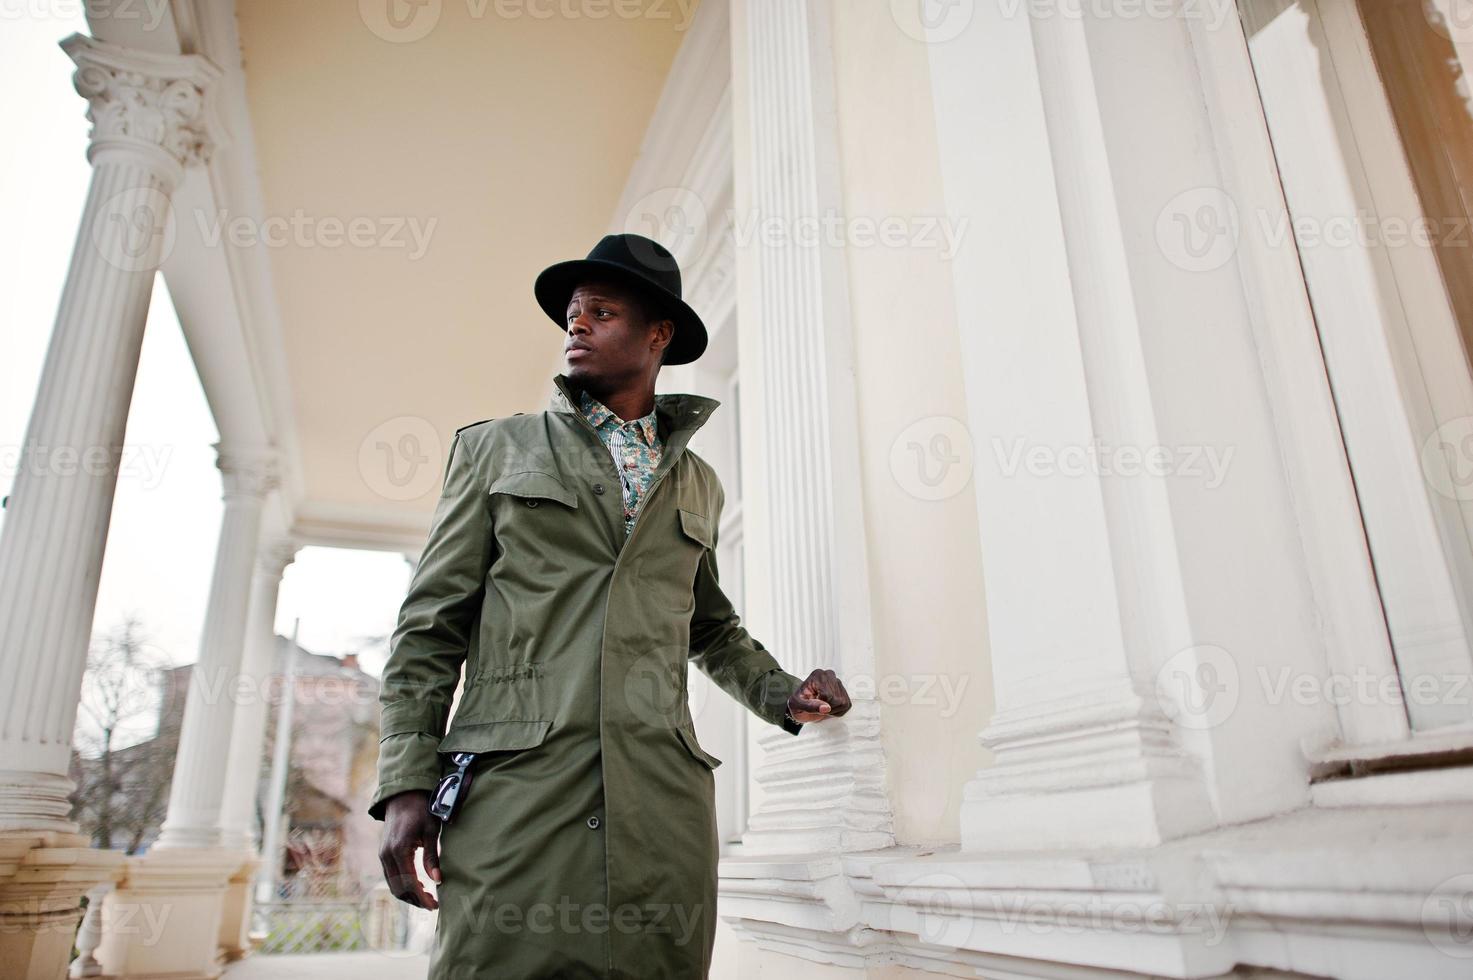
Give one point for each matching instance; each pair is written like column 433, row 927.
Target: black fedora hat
column 635, row 261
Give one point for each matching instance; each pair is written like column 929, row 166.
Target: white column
column 247, row 740
column 1140, row 548
column 197, row 793
column 824, row 790
column 258, row 663
column 150, row 118
column 1076, row 730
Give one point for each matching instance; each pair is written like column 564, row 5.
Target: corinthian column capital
column 247, row 472
column 152, row 103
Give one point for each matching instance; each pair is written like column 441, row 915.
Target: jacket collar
column 674, row 412
column 648, row 425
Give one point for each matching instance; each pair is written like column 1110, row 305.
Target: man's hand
column 821, row 696
column 409, row 826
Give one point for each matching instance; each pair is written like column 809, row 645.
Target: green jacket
column 586, row 846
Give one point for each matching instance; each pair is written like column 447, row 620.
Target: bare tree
column 122, row 754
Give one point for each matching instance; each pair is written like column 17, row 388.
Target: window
column 1371, row 117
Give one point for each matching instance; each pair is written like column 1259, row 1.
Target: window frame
column 1333, row 531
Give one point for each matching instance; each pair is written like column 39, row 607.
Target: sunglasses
column 452, row 790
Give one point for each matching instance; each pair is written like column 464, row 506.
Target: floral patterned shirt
column 635, row 446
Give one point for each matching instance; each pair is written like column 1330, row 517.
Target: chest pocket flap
column 696, row 526
column 534, row 485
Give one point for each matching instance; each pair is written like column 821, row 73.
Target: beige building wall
column 926, row 575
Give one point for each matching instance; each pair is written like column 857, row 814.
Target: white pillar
column 247, row 739
column 150, row 118
column 197, row 793
column 257, row 665
column 1132, row 594
column 825, row 789
column 273, row 812
column 1050, row 360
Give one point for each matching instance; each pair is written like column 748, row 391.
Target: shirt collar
column 598, row 414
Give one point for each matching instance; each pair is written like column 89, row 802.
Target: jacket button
column 598, row 488
column 531, row 502
column 593, row 823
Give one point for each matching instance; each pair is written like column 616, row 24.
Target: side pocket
column 494, row 736
column 688, row 739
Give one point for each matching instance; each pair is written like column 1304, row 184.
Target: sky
column 166, row 517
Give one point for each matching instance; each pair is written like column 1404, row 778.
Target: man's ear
column 668, row 334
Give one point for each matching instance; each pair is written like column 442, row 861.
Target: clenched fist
column 821, row 696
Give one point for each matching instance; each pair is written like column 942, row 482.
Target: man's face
column 609, row 343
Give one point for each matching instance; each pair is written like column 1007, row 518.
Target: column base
column 236, row 940
column 35, row 803
column 165, row 917
column 1357, row 894
column 42, row 880
column 824, row 790
column 1101, row 768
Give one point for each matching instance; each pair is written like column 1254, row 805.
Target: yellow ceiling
column 512, row 133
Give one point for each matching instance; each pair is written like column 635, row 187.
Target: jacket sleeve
column 725, row 652
column 436, row 623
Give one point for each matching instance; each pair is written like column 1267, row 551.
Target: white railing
column 340, row 913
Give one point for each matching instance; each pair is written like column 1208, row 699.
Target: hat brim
column 556, row 283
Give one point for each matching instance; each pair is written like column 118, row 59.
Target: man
column 571, row 570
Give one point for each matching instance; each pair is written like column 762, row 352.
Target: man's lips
column 576, row 348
